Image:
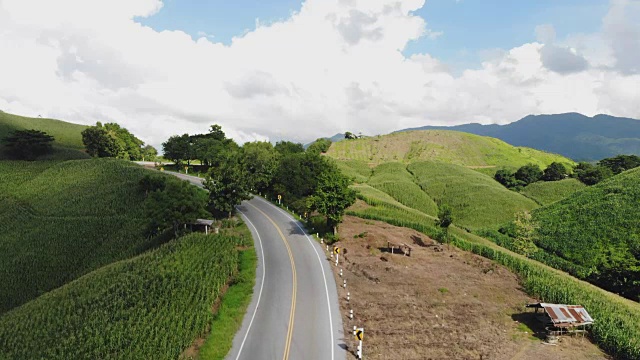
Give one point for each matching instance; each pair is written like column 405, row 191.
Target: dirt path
column 438, row 303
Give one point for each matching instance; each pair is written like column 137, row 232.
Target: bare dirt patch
column 439, row 303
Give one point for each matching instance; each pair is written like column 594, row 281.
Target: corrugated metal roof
column 565, row 315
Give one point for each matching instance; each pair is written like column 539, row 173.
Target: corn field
column 149, row 307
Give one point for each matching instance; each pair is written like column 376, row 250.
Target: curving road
column 294, row 312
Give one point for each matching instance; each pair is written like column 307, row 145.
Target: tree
column 525, row 229
column 228, row 187
column 349, row 135
column 286, row 148
column 129, row 146
column 176, row 204
column 178, row 148
column 260, row 160
column 445, row 219
column 149, row 153
column 320, row 146
column 620, row 163
column 506, row 178
column 554, row 172
column 591, row 175
column 216, row 132
column 99, row 143
column 332, row 197
column 529, row 174
column 28, row 144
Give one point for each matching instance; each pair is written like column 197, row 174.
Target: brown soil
column 438, row 303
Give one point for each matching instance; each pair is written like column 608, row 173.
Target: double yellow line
column 287, row 345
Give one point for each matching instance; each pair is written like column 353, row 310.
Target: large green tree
column 178, row 148
column 28, row 144
column 174, row 204
column 320, row 146
column 149, row 153
column 590, row 174
column 260, row 160
column 528, row 174
column 99, row 143
column 620, row 163
column 332, row 196
column 555, row 172
column 286, row 148
column 228, row 186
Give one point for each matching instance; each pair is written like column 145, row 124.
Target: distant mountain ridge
column 573, row 135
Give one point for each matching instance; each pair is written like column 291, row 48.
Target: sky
column 299, row 70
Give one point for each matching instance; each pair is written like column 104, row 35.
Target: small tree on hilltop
column 28, row 144
column 332, row 197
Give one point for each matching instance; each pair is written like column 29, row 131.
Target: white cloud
column 336, row 65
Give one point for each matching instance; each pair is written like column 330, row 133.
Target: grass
column 394, row 179
column 476, row 200
column 617, row 326
column 68, row 139
column 548, row 192
column 440, row 145
column 357, row 170
column 152, row 306
column 235, row 301
column 61, row 220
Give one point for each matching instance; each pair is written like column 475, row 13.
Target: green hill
column 61, row 220
column 597, row 228
column 476, row 200
column 450, row 147
column 150, row 307
column 68, row 139
column 547, row 192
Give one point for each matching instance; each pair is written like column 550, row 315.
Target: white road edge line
column 326, row 288
column 261, row 283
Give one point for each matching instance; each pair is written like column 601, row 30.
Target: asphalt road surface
column 294, row 312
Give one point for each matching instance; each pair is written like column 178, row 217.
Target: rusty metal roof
column 565, row 315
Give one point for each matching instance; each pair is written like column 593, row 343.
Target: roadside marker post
column 348, row 297
column 279, row 199
column 336, row 250
column 351, row 314
column 344, row 283
column 340, row 272
column 359, row 332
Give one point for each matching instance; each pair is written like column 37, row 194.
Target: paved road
column 294, row 311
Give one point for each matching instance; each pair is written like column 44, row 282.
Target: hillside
column 61, row 220
column 598, row 229
column 437, row 145
column 476, row 200
column 548, row 192
column 150, row 307
column 573, row 135
column 68, row 140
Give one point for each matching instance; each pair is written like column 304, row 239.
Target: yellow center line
column 287, row 345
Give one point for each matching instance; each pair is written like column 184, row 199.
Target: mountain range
column 573, row 135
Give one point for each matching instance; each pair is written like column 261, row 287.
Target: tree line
column 587, row 173
column 307, row 181
column 113, row 140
